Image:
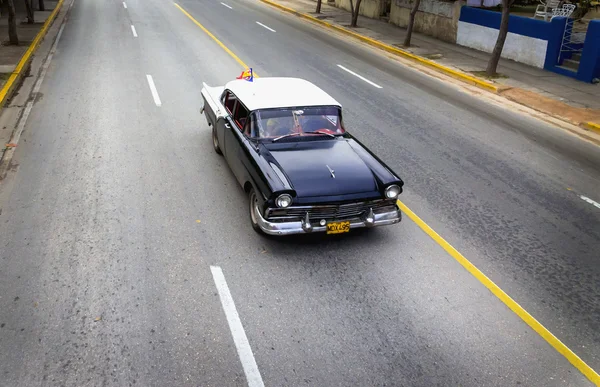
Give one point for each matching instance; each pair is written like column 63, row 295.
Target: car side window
column 240, row 116
column 251, row 127
column 229, row 102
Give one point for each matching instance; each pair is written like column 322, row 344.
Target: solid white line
column 153, row 90
column 134, row 32
column 360, row 76
column 124, row 5
column 237, row 330
column 262, row 25
column 593, row 203
column 227, row 6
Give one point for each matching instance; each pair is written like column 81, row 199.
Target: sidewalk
column 536, row 88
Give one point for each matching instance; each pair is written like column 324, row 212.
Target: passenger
column 279, row 126
column 271, row 127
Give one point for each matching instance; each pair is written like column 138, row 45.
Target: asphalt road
column 117, row 208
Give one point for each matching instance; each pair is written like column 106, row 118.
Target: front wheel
column 254, row 211
column 215, row 141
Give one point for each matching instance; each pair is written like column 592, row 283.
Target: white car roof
column 276, row 92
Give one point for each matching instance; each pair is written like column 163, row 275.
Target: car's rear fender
column 212, row 107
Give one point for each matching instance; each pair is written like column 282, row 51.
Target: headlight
column 283, row 201
column 392, row 192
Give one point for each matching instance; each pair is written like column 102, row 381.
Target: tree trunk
column 41, row 5
column 318, row 6
column 493, row 63
column 411, row 23
column 12, row 23
column 355, row 13
column 29, row 7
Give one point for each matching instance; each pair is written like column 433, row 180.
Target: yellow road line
column 12, row 80
column 237, row 59
column 505, row 298
column 488, row 283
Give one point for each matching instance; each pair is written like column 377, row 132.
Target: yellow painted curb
column 594, row 127
column 18, row 72
column 448, row 71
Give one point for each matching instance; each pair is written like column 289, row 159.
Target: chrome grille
column 329, row 212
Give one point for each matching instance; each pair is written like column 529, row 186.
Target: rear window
column 273, row 123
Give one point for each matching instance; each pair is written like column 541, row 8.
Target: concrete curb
column 21, row 68
column 591, row 126
column 446, row 70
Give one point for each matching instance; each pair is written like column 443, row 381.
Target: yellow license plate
column 338, row 227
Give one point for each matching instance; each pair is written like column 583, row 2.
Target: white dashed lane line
column 360, row 77
column 153, row 90
column 586, row 199
column 124, row 5
column 237, row 330
column 262, row 25
column 134, row 31
column 225, row 5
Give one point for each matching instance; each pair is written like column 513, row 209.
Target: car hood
column 323, row 168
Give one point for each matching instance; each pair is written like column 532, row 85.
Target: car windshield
column 310, row 121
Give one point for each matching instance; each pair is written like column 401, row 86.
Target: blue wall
column 517, row 24
column 554, row 42
column 589, row 67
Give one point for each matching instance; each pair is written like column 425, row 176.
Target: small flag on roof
column 247, row 75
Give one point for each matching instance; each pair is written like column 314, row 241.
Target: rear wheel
column 254, row 210
column 215, row 141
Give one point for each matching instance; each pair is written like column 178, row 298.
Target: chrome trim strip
column 376, row 204
column 300, row 227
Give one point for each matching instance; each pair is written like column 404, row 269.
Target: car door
column 235, row 141
column 225, row 124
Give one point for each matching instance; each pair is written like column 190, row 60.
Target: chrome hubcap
column 253, row 208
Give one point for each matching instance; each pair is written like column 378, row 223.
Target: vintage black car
column 284, row 140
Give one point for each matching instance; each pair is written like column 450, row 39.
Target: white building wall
column 519, row 48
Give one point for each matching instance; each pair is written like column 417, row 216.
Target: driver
column 315, row 123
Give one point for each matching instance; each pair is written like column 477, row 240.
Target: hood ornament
column 331, row 171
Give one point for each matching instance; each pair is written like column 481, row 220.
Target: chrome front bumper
column 305, row 227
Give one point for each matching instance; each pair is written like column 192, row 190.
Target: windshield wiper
column 325, row 134
column 296, row 134
column 285, row 135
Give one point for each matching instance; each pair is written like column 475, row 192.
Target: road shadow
column 355, row 236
